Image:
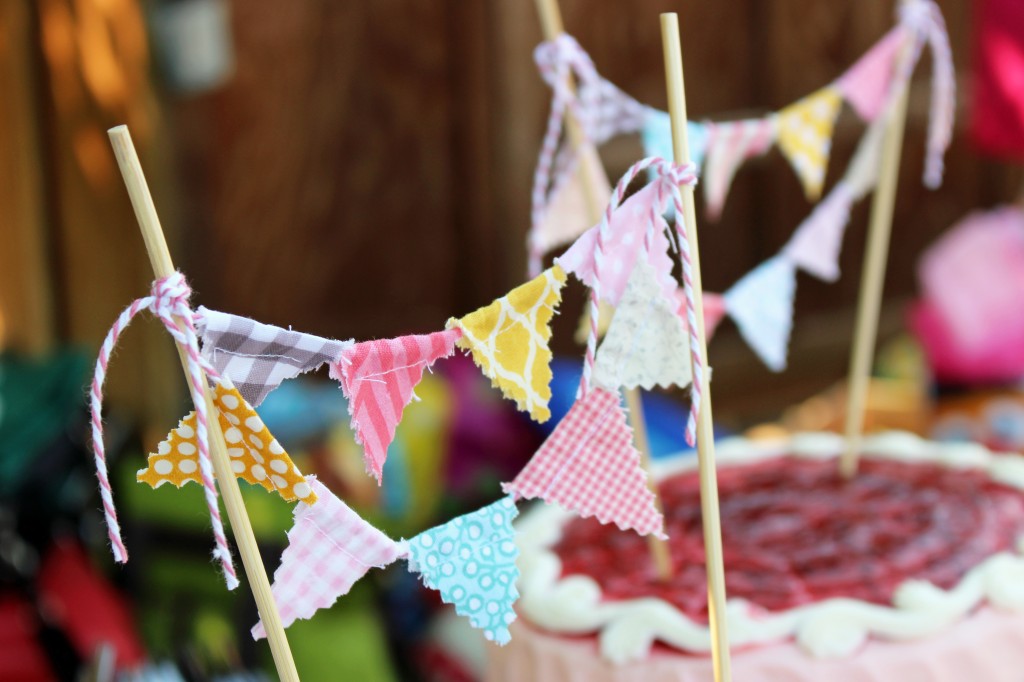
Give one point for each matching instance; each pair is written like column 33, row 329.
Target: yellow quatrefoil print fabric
column 255, row 454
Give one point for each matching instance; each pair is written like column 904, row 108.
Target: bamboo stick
column 705, row 435
column 872, row 281
column 160, row 258
column 551, row 24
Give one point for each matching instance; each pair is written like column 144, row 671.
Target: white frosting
column 829, row 628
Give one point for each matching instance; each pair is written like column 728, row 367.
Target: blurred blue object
column 666, row 418
column 303, row 408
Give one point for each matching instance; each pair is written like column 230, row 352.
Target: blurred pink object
column 970, row 320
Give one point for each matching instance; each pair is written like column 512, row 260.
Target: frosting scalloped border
column 828, row 629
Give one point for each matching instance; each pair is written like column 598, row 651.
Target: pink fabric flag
column 729, row 145
column 714, row 310
column 568, row 214
column 330, row 547
column 378, row 378
column 815, row 245
column 866, row 83
column 589, row 465
column 626, row 239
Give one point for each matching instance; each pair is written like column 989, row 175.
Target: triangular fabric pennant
column 728, row 146
column 509, row 341
column 805, row 136
column 714, row 310
column 657, row 137
column 862, row 174
column 761, row 304
column 646, row 344
column 257, row 357
column 471, row 561
column 378, row 378
column 330, row 547
column 865, row 85
column 589, row 465
column 625, row 239
column 569, row 212
column 256, row 456
column 816, row 244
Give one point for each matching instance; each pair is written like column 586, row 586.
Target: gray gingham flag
column 257, row 357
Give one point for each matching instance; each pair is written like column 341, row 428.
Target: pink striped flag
column 378, row 378
column 866, row 83
column 589, row 465
column 728, row 146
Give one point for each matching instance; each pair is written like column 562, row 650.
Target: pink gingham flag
column 330, row 547
column 378, row 378
column 865, row 85
column 589, row 465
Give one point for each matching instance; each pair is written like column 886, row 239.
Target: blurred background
column 363, row 169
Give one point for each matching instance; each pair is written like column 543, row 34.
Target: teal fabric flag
column 657, row 136
column 471, row 561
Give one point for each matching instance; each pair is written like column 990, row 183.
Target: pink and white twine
column 671, row 177
column 168, row 300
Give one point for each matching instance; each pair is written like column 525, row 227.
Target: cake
column 912, row 571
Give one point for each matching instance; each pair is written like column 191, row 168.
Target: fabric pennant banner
column 638, row 216
column 378, row 378
column 761, row 304
column 646, row 344
column 568, row 213
column 256, row 456
column 509, row 341
column 330, row 547
column 257, row 357
column 471, row 561
column 862, row 173
column 805, row 136
column 816, row 244
column 657, row 137
column 865, row 85
column 728, row 146
column 589, row 465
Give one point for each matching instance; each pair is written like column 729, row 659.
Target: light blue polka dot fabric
column 471, row 561
column 657, row 136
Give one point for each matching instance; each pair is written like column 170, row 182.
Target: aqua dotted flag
column 471, row 561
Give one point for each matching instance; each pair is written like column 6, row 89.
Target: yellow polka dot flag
column 805, row 136
column 509, row 341
column 256, row 456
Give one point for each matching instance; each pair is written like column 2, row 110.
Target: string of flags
column 802, row 131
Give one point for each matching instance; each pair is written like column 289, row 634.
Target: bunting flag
column 866, row 84
column 761, row 304
column 805, row 136
column 378, row 378
column 646, row 344
column 657, row 137
column 638, row 218
column 714, row 310
column 257, row 357
column 729, row 145
column 569, row 211
column 471, row 561
column 256, row 456
column 509, row 341
column 862, row 173
column 589, row 465
column 815, row 245
column 330, row 547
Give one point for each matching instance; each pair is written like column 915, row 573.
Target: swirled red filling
column 794, row 532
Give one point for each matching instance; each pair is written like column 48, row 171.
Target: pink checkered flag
column 589, row 465
column 378, row 378
column 330, row 547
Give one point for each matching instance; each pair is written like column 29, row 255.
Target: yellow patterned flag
column 255, row 454
column 805, row 136
column 509, row 340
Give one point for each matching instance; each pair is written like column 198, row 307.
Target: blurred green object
column 38, row 398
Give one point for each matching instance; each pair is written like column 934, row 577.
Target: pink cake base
column 988, row 646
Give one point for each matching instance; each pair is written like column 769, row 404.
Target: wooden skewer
column 551, row 24
column 160, row 258
column 705, row 435
column 872, row 280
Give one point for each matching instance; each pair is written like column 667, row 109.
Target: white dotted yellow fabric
column 255, row 454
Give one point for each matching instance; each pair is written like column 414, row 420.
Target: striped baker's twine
column 923, row 19
column 557, row 60
column 168, row 301
column 670, row 176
